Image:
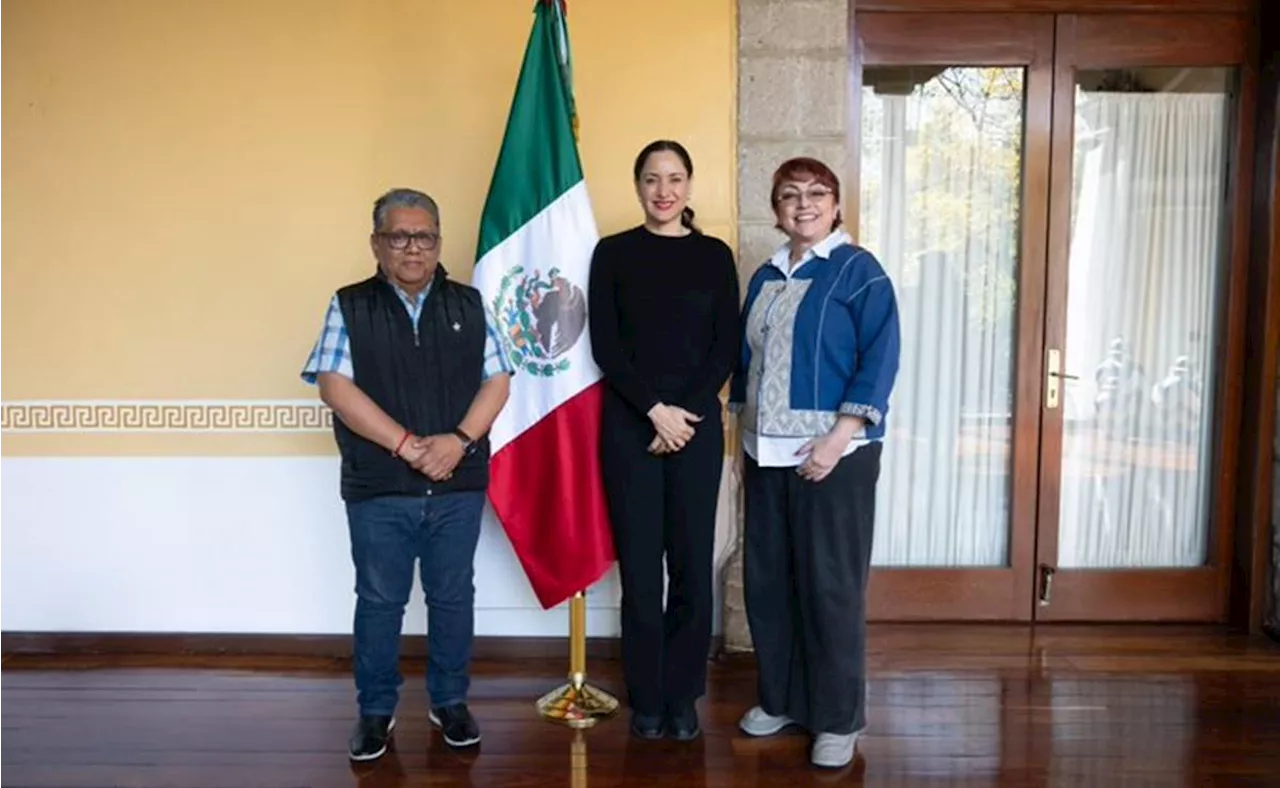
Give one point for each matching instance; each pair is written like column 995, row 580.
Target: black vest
column 425, row 379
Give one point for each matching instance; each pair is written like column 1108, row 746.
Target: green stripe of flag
column 539, row 158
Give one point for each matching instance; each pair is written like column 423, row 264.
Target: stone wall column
column 793, row 81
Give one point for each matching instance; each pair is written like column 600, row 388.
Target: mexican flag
column 537, row 234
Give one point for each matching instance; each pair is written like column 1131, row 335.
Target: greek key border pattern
column 165, row 416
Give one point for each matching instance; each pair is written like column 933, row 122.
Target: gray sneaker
column 758, row 722
column 834, row 750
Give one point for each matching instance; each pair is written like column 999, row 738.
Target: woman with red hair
column 818, row 361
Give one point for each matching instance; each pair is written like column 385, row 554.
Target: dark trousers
column 806, row 557
column 663, row 505
column 387, row 535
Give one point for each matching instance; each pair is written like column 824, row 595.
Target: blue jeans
column 387, row 534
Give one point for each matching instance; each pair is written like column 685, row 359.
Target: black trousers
column 806, row 557
column 663, row 505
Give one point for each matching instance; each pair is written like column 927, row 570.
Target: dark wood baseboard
column 331, row 646
column 325, row 646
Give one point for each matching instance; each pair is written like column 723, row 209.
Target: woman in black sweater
column 664, row 310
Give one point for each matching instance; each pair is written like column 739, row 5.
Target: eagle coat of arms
column 542, row 318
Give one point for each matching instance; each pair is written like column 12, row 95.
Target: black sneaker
column 457, row 725
column 370, row 737
column 646, row 726
column 682, row 724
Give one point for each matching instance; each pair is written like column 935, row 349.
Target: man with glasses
column 413, row 369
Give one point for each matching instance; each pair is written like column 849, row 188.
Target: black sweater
column 664, row 318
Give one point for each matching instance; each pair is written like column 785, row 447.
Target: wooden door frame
column 1245, row 7
column 1026, row 40
column 1093, row 41
column 1243, row 597
column 1253, row 542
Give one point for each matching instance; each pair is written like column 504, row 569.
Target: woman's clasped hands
column 674, row 426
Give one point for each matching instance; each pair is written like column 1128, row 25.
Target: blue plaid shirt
column 332, row 351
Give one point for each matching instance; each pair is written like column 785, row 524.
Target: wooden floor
column 949, row 705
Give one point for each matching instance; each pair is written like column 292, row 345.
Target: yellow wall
column 186, row 183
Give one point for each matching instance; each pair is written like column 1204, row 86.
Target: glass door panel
column 940, row 202
column 1145, row 268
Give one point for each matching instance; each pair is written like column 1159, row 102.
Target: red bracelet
column 396, row 452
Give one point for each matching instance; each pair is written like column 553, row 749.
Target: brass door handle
column 1053, row 386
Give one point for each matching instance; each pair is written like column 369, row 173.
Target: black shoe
column 646, row 726
column 457, row 725
column 370, row 737
column 682, row 724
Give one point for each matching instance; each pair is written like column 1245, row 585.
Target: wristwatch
column 468, row 444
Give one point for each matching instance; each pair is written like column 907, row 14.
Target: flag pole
column 577, row 703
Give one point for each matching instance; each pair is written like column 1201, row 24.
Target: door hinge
column 1046, row 584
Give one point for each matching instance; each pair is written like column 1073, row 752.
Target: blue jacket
column 830, row 341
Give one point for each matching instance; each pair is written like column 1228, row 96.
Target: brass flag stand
column 577, row 704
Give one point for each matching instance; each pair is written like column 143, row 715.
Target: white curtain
column 941, row 167
column 1146, row 244
column 940, row 196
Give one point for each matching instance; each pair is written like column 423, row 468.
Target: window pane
column 1146, row 260
column 941, row 172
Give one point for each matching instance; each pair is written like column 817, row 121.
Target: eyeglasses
column 401, row 241
column 792, row 196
